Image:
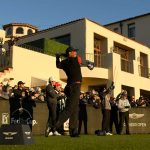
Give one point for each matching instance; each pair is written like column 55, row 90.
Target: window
column 97, row 52
column 63, row 39
column 126, row 57
column 116, row 29
column 131, row 30
column 9, row 31
column 144, row 71
column 97, row 44
column 29, row 31
column 19, row 30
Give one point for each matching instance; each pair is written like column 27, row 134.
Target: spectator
column 16, row 103
column 106, row 94
column 1, row 88
column 51, row 99
column 141, row 102
column 114, row 115
column 124, row 107
column 28, row 103
column 82, row 113
column 61, row 100
column 133, row 102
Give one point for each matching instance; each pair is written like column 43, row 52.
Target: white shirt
column 123, row 102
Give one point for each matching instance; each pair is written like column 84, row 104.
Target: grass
column 86, row 142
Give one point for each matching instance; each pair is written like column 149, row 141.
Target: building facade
column 136, row 28
column 116, row 57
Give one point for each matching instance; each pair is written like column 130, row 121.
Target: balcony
column 126, row 65
column 96, row 58
column 99, row 72
column 144, row 71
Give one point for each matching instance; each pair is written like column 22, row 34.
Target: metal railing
column 126, row 65
column 96, row 58
column 144, row 71
column 31, row 48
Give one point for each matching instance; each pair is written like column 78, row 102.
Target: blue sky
column 48, row 13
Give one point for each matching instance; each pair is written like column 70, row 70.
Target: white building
column 117, row 58
column 136, row 28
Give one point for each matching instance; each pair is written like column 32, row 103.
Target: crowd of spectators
column 140, row 102
column 92, row 97
column 6, row 90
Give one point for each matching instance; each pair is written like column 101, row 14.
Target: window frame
column 131, row 30
column 19, row 30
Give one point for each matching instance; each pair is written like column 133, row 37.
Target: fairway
column 86, row 142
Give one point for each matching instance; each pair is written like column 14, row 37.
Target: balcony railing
column 126, row 65
column 33, row 48
column 144, row 71
column 96, row 58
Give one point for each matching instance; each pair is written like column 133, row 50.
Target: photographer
column 96, row 101
column 124, row 106
column 16, row 102
column 28, row 103
column 106, row 108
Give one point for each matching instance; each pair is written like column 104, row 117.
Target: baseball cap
column 20, row 82
column 70, row 49
column 57, row 84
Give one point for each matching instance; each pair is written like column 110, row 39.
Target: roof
column 20, row 24
column 52, row 28
column 136, row 17
column 74, row 21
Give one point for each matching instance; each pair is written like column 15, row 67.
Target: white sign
column 66, row 125
column 5, row 118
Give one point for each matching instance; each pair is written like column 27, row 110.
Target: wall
column 75, row 29
column 141, row 26
column 29, row 64
column 139, row 118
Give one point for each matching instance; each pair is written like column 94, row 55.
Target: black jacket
column 51, row 95
column 71, row 67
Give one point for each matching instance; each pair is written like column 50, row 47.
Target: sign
column 15, row 134
column 139, row 121
column 5, row 118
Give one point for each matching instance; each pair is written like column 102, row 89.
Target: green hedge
column 51, row 47
column 48, row 46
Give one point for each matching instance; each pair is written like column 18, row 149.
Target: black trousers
column 82, row 118
column 106, row 120
column 124, row 117
column 52, row 115
column 71, row 109
column 85, row 126
column 114, row 119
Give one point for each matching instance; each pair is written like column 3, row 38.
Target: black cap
column 70, row 49
column 20, row 82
